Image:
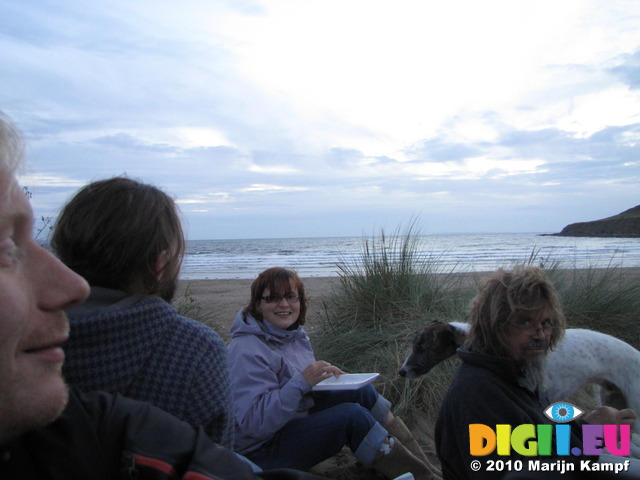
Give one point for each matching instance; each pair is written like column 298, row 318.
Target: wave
column 319, row 257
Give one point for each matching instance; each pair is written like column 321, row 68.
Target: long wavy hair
column 525, row 290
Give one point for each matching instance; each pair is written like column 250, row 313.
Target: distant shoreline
column 564, row 235
column 224, row 298
column 323, row 257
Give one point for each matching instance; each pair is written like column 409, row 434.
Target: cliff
column 625, row 224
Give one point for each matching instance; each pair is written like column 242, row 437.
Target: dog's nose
column 402, row 372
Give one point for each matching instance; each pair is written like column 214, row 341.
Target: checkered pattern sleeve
column 208, row 394
column 148, row 352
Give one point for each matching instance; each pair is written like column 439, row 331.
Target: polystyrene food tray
column 346, row 381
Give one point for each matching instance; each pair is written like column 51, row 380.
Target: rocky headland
column 625, row 224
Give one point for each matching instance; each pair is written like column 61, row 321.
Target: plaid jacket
column 142, row 349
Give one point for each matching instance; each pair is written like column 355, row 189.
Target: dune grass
column 189, row 307
column 391, row 289
column 385, row 295
column 602, row 299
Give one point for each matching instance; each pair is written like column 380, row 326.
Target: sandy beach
column 221, row 299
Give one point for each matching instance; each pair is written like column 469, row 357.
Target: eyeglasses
column 530, row 326
column 291, row 298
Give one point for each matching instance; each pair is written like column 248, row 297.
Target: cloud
column 335, row 116
column 266, row 188
column 629, row 70
column 42, row 180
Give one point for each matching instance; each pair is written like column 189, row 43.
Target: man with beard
column 125, row 238
column 516, row 318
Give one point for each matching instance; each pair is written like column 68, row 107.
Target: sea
column 322, row 257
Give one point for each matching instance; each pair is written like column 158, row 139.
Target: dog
column 582, row 358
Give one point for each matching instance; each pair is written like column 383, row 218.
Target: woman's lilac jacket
column 267, row 385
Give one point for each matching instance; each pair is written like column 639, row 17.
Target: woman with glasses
column 280, row 420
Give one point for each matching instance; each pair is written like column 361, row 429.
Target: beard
column 167, row 289
column 27, row 411
column 533, row 373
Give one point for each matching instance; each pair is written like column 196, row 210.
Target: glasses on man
column 291, row 298
column 530, row 326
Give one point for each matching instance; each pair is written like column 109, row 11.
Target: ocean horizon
column 320, row 256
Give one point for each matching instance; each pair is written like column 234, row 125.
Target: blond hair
column 11, row 146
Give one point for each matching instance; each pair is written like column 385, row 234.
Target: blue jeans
column 338, row 418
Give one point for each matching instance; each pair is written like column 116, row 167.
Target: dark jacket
column 100, row 436
column 485, row 390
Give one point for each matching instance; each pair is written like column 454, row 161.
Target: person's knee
column 369, row 396
column 349, row 408
column 355, row 416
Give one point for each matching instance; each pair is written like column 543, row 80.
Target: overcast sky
column 294, row 118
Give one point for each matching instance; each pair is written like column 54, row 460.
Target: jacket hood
column 245, row 324
column 504, row 367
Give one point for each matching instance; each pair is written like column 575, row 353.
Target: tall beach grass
column 385, row 295
column 391, row 289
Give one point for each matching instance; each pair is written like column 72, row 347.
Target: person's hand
column 610, row 416
column 320, row 370
column 627, row 417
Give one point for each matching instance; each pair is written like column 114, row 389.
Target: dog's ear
column 459, row 337
column 451, row 338
column 447, row 340
column 436, row 338
column 432, row 335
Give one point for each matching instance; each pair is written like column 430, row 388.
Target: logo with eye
column 563, row 412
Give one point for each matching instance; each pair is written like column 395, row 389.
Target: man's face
column 34, row 289
column 528, row 335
